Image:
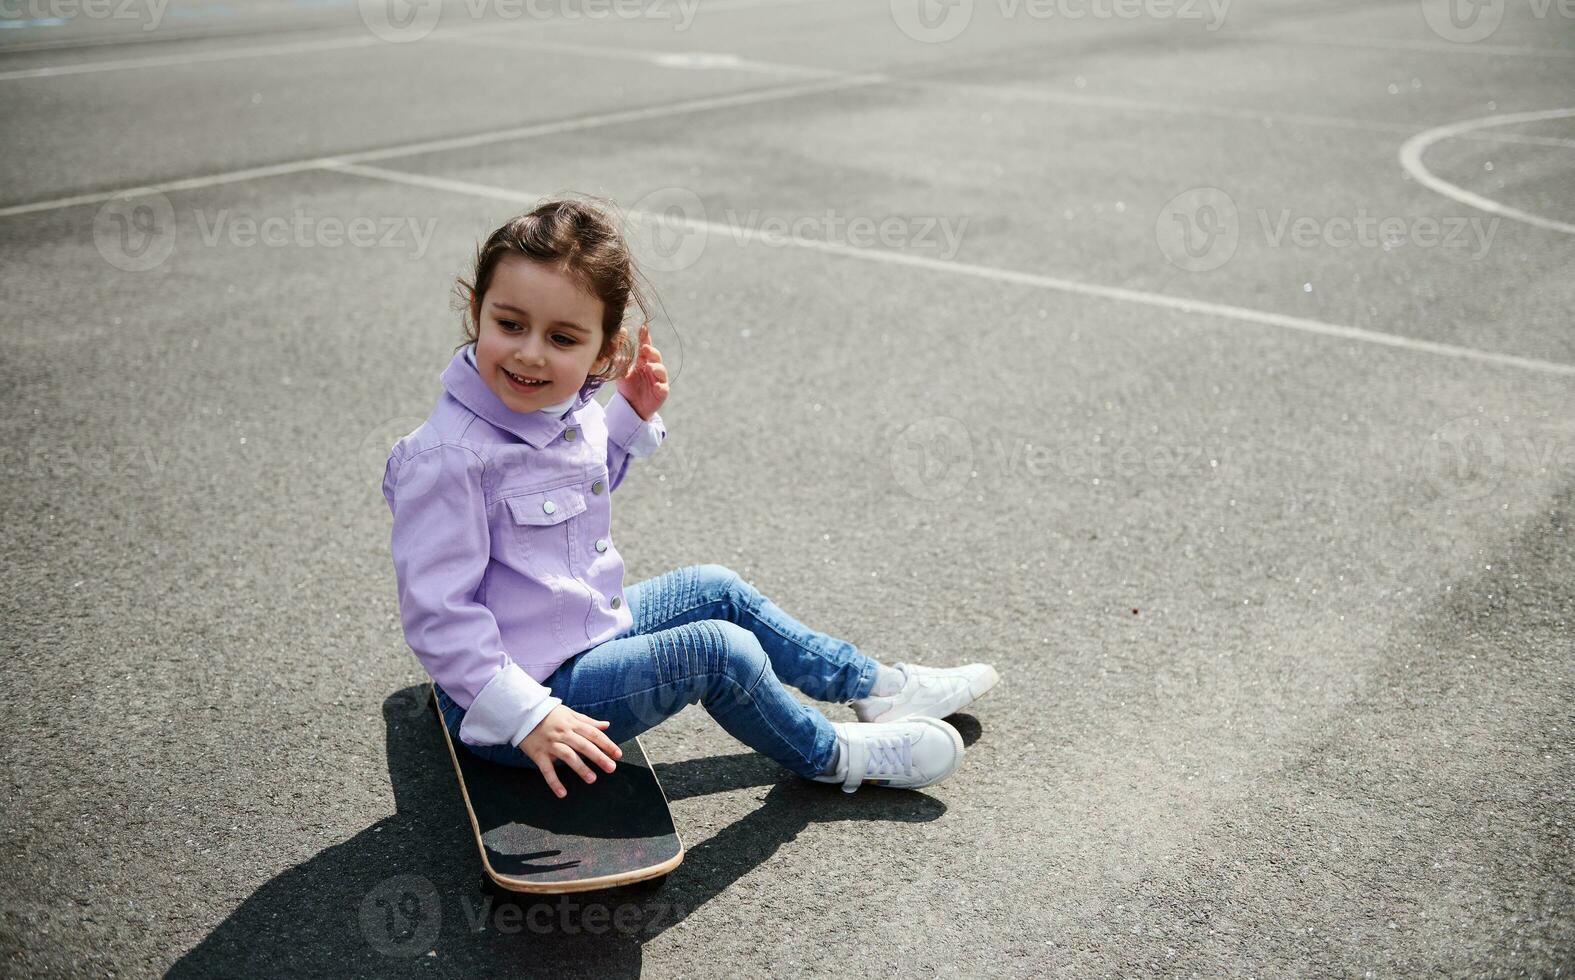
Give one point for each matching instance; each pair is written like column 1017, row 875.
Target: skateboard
column 615, row 832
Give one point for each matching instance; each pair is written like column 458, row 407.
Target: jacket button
column 569, row 434
column 617, row 601
column 596, row 487
column 549, row 507
column 601, row 544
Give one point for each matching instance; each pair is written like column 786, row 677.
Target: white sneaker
column 930, row 691
column 902, row 755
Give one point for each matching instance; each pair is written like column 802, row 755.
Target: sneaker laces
column 888, row 755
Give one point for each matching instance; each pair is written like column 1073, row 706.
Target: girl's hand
column 564, row 734
column 645, row 386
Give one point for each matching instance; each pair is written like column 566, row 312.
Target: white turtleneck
column 646, row 439
column 556, row 411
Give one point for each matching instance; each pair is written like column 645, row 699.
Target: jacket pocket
column 536, row 534
column 547, row 507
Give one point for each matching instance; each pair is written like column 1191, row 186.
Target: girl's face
column 536, row 325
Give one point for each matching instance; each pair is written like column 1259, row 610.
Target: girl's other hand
column 645, row 386
column 566, row 734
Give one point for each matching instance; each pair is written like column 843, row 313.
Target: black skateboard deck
column 613, row 832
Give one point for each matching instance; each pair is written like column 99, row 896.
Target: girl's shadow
column 403, row 897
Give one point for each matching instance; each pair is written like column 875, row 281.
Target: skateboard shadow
column 403, row 897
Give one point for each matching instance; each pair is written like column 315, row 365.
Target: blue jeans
column 701, row 633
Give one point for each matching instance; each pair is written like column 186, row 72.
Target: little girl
column 510, row 586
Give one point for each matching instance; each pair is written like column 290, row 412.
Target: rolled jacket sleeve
column 441, row 545
column 629, row 436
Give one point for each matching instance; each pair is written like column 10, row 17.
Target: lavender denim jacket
column 502, row 543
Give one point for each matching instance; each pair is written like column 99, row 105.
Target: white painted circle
column 1411, row 159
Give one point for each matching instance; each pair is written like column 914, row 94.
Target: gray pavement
column 1130, row 354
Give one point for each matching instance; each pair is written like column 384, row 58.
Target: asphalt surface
column 1242, row 444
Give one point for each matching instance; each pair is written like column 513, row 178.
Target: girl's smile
column 540, row 334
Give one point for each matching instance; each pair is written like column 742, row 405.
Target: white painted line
column 1398, row 44
column 436, row 183
column 599, row 120
column 1264, row 117
column 1118, row 293
column 1411, row 159
column 663, row 59
column 1094, row 101
column 194, row 57
column 832, row 83
column 487, row 36
column 1557, row 141
column 460, row 142
column 357, row 40
column 186, row 184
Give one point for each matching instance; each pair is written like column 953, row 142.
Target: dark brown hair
column 581, row 239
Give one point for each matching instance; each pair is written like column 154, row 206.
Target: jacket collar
column 461, row 380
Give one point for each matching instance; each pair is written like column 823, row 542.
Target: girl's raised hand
column 565, row 734
column 645, row 386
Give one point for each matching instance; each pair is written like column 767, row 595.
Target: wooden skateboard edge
column 550, row 887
